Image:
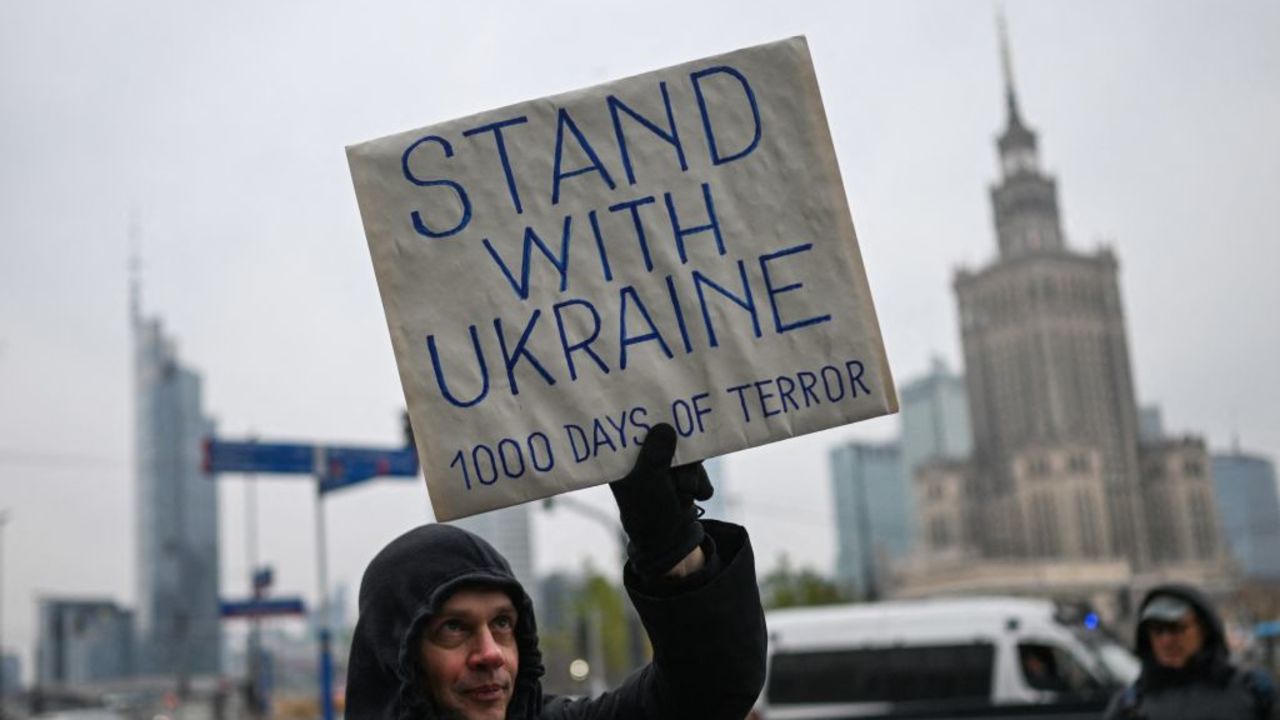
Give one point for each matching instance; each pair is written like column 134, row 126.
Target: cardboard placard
column 562, row 274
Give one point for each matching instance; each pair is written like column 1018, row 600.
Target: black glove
column 655, row 502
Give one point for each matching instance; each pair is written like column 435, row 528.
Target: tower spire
column 1006, row 67
column 135, row 266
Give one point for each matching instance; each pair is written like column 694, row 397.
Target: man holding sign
column 446, row 631
column 571, row 284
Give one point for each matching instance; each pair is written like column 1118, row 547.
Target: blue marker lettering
column 712, row 144
column 420, row 225
column 672, row 135
column 633, row 206
column 680, row 233
column 627, row 297
column 496, row 129
column 583, row 345
column 747, row 302
column 560, row 263
column 439, row 370
column 773, row 292
column 511, row 359
column 563, row 120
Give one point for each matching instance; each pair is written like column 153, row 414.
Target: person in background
column 1186, row 670
column 447, row 633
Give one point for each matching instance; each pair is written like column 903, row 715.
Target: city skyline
column 225, row 132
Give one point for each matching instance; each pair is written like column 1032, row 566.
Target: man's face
column 470, row 656
column 1174, row 643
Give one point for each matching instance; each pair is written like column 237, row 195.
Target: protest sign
column 561, row 275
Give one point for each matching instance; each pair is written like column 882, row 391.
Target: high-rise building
column 508, row 530
column 1068, row 491
column 176, row 508
column 935, row 417
column 12, row 673
column 873, row 514
column 1245, row 486
column 935, row 437
column 1055, row 468
column 83, row 641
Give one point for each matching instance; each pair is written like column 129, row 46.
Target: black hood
column 404, row 585
column 1211, row 663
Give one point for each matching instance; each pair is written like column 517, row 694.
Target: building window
column 951, row 673
column 939, row 533
column 1192, row 468
column 1050, row 668
column 1038, row 467
column 1202, row 528
column 1078, row 463
column 1045, row 530
column 1088, row 525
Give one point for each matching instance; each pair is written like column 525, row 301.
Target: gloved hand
column 655, row 502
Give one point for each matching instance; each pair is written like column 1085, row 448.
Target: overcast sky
column 222, row 127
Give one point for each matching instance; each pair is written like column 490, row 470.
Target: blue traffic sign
column 348, row 466
column 221, row 456
column 262, row 608
column 336, row 467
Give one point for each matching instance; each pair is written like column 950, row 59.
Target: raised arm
column 694, row 586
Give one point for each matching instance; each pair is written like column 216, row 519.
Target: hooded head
column 404, row 587
column 1165, row 610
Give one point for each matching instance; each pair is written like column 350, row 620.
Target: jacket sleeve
column 708, row 646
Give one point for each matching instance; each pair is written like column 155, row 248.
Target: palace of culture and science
column 1059, row 477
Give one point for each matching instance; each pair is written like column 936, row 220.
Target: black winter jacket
column 1209, row 687
column 708, row 639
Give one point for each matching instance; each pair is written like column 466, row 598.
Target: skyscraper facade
column 176, row 510
column 935, row 438
column 1183, row 519
column 873, row 514
column 12, row 673
column 1055, row 467
column 935, row 417
column 510, row 531
column 1245, row 486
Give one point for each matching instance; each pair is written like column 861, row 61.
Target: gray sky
column 223, row 126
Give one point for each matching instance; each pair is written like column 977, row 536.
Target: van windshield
column 891, row 674
column 1114, row 659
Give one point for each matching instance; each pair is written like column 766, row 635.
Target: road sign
column 333, row 469
column 337, row 467
column 262, row 608
column 254, row 457
column 348, row 466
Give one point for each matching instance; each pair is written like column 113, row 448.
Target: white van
column 930, row 658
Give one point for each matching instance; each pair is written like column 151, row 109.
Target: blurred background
column 1069, row 231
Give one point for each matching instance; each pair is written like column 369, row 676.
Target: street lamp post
column 635, row 632
column 323, row 630
column 4, row 518
column 331, row 468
